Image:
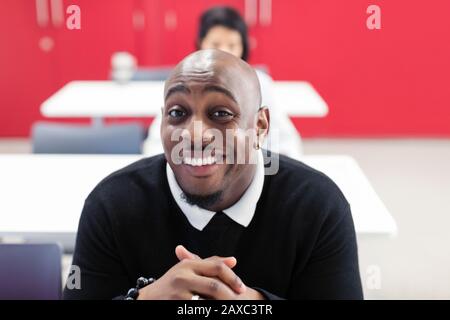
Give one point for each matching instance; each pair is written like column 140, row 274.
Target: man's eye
column 222, row 114
column 176, row 113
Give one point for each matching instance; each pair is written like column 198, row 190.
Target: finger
column 215, row 267
column 229, row 261
column 211, row 288
column 183, row 253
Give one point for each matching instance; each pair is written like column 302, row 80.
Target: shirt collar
column 241, row 212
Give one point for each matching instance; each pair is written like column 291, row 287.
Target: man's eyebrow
column 216, row 88
column 177, row 88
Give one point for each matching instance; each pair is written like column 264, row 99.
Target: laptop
column 30, row 272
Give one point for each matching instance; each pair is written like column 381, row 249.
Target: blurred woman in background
column 223, row 28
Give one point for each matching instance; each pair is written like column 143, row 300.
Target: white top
column 241, row 212
column 145, row 98
column 46, row 193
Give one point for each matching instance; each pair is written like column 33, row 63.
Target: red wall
column 29, row 75
column 388, row 82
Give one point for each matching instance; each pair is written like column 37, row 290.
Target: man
column 208, row 223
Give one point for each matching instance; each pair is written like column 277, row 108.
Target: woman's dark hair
column 227, row 17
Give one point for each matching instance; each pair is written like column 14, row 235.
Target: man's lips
column 201, row 171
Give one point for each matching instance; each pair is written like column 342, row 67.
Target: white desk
column 43, row 195
column 98, row 99
column 299, row 99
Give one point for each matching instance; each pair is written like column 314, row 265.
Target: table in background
column 43, row 195
column 100, row 99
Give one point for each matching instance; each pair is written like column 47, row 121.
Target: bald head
column 237, row 79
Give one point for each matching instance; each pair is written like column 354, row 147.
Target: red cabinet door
column 39, row 54
column 106, row 27
column 27, row 70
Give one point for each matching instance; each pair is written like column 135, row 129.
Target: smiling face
column 212, row 101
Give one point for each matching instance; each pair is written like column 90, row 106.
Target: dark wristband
column 141, row 282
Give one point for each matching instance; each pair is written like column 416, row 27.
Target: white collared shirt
column 241, row 212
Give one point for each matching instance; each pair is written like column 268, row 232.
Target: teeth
column 200, row 161
column 211, row 160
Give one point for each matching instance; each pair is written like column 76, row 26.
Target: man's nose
column 197, row 131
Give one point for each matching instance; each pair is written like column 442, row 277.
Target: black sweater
column 300, row 243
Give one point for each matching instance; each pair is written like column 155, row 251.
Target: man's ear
column 263, row 123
